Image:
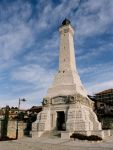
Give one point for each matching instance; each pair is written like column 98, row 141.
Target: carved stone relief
column 70, row 99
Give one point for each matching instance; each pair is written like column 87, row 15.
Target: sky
column 29, row 46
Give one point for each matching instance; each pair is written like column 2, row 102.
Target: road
column 55, row 144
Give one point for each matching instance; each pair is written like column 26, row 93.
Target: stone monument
column 66, row 107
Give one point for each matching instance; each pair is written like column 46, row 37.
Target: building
column 105, row 96
column 35, row 109
column 104, row 102
column 66, row 106
column 103, row 107
column 13, row 112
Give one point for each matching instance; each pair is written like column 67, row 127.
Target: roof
column 105, row 91
column 35, row 107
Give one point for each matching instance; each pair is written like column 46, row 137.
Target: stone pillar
column 12, row 129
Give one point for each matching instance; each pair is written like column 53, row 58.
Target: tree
column 4, row 124
column 31, row 118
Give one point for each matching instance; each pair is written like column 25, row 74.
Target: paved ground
column 55, row 144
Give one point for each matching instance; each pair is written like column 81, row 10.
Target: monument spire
column 67, row 56
column 67, row 80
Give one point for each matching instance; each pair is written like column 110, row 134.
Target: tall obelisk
column 67, row 80
column 66, row 105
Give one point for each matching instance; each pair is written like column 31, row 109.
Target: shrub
column 94, row 138
column 4, row 123
column 78, row 136
column 85, row 137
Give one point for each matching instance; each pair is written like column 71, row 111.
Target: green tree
column 4, row 125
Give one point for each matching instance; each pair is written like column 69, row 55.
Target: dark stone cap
column 66, row 22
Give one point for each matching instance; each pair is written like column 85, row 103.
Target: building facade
column 104, row 102
column 103, row 107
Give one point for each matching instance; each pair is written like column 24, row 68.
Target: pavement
column 45, row 143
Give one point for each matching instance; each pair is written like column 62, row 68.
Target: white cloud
column 35, row 82
column 14, row 42
column 35, row 79
column 15, row 33
column 94, row 52
column 34, row 74
column 100, row 86
column 94, row 17
column 50, row 14
column 98, row 77
column 45, row 53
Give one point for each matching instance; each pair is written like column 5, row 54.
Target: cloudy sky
column 29, row 46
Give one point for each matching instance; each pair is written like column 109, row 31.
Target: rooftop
column 105, row 91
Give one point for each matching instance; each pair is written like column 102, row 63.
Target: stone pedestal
column 79, row 116
column 65, row 134
column 82, row 118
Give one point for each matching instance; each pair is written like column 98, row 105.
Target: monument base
column 101, row 133
column 60, row 114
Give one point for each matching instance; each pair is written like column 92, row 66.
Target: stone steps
column 52, row 134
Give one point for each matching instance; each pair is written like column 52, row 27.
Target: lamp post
column 23, row 100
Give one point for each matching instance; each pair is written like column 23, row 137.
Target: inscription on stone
column 58, row 100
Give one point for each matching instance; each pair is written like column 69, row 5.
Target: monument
column 66, row 107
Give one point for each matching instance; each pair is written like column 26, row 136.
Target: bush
column 78, row 136
column 4, row 123
column 85, row 137
column 94, row 138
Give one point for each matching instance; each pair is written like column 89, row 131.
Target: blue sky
column 29, row 46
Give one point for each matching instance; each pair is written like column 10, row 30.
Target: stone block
column 106, row 133
column 88, row 133
column 99, row 133
column 65, row 135
column 12, row 125
column 37, row 134
column 111, row 132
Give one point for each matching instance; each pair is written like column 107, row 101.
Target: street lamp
column 23, row 100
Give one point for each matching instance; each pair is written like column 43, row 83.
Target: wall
column 12, row 125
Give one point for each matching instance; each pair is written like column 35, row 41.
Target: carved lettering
column 59, row 100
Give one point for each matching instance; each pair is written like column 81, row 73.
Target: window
column 101, row 105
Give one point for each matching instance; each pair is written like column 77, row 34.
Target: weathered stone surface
column 69, row 99
column 12, row 126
